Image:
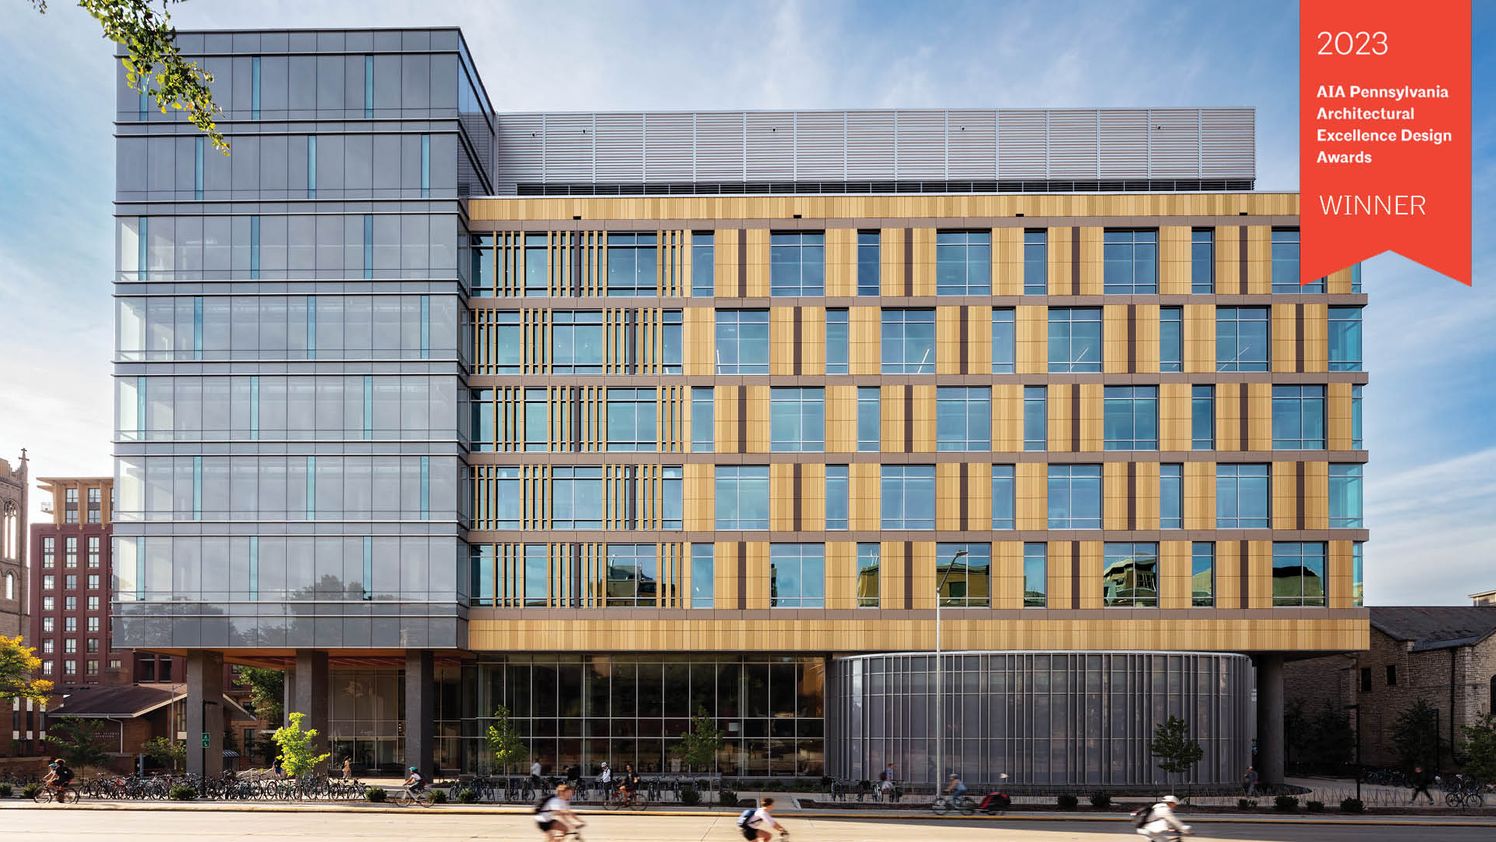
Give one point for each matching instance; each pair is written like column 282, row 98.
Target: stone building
column 1443, row 655
column 13, row 547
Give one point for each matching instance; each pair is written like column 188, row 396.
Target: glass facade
column 1041, row 718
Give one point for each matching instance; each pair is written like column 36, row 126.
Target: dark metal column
column 420, row 711
column 1270, row 718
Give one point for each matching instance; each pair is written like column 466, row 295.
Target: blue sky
column 1430, row 348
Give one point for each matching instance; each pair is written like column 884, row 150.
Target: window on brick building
column 1392, row 675
column 1366, row 679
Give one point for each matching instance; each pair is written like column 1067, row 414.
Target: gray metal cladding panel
column 569, row 152
column 821, row 145
column 670, row 141
column 1123, row 143
column 1072, row 144
column 626, row 151
column 719, row 146
column 771, row 145
column 921, row 145
column 1174, row 142
column 971, row 145
column 620, row 148
column 1022, row 144
column 870, row 144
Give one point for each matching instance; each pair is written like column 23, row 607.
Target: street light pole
column 1357, row 709
column 940, row 680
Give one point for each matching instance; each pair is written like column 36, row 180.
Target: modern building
column 1484, row 598
column 611, row 418
column 69, row 588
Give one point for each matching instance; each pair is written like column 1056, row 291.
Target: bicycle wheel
column 1475, row 799
column 1452, row 799
column 939, row 806
column 637, row 803
column 42, row 796
column 426, row 799
column 71, row 796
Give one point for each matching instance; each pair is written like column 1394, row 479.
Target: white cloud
column 1431, row 528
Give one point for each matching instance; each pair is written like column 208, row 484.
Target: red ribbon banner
column 1384, row 134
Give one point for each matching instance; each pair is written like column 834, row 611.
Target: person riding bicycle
column 628, row 784
column 955, row 787
column 758, row 825
column 59, row 775
column 888, row 782
column 1160, row 824
column 555, row 816
column 414, row 783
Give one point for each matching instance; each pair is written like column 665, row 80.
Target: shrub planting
column 1100, row 800
column 376, row 794
column 1067, row 802
column 1286, row 804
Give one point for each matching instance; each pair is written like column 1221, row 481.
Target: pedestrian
column 888, row 782
column 347, row 768
column 1421, row 780
column 1249, row 782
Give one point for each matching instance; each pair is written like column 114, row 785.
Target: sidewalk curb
column 510, row 810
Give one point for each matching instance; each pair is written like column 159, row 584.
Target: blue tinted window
column 1004, row 341
column 742, row 496
column 1003, row 497
column 703, row 415
column 867, row 575
column 1170, row 496
column 1035, row 575
column 632, row 416
column 1202, row 261
column 703, row 264
column 1129, row 575
column 964, row 581
column 868, row 257
column 837, row 342
column 1286, row 264
column 576, row 497
column 908, row 496
column 1357, row 441
column 869, row 419
column 1170, row 339
column 797, row 575
column 1035, row 262
column 1346, row 497
column 703, row 575
column 1202, row 418
column 837, row 497
column 1345, row 338
column 1074, row 339
column 1074, row 496
column 1298, row 573
column 1130, row 262
column 908, row 341
column 1202, row 574
column 632, row 576
column 797, row 420
column 1130, row 417
column 1242, row 339
column 1242, row 496
column 1298, row 418
column 742, row 341
column 963, row 418
column 963, row 262
column 797, row 263
column 1035, row 418
column 576, row 342
column 537, row 265
column 633, row 264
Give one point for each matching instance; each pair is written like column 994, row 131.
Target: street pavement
column 353, row 825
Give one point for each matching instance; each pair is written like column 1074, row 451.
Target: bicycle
column 625, row 799
column 424, row 798
column 955, row 804
column 60, row 794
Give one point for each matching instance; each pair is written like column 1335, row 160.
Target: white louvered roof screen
column 629, row 152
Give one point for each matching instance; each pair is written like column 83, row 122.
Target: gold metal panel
column 757, row 584
column 1007, row 418
column 1092, row 407
column 1058, row 417
column 1114, row 338
column 1260, row 410
column 1116, row 503
column 1228, row 416
column 758, row 419
column 699, row 338
column 1285, row 483
column 1174, row 260
column 1199, row 338
column 864, row 329
column 812, row 340
column 924, row 418
column 1228, row 247
column 782, row 493
column 1175, row 584
column 841, row 262
column 1174, row 412
column 1316, row 495
column 1031, row 328
column 1091, row 560
column 782, row 341
column 1030, row 496
column 1260, row 572
column 1285, row 337
column 978, row 339
column 841, row 575
column 924, row 261
column 863, row 507
column 1091, row 260
column 1199, row 495
column 1145, row 330
column 1259, row 260
column 1058, row 569
column 1007, row 574
column 891, row 419
column 841, row 419
column 1060, row 277
column 758, row 263
column 1007, row 261
column 891, row 257
column 1338, row 427
column 1145, row 499
column 948, row 340
column 1340, row 587
column 1316, row 337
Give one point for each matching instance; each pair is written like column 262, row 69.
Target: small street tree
column 1415, row 736
column 168, row 753
column 699, row 745
column 18, row 667
column 504, row 740
column 296, row 753
column 78, row 741
column 1173, row 747
column 1480, row 748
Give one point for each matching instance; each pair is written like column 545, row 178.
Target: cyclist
column 887, row 782
column 414, row 783
column 555, row 816
column 1160, row 824
column 759, row 825
column 955, row 789
column 58, row 774
column 628, row 785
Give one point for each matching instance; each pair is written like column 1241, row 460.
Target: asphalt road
column 205, row 826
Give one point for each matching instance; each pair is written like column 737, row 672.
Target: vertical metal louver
column 521, row 151
column 569, row 155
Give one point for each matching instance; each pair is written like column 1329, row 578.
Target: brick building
column 13, row 547
column 1445, row 656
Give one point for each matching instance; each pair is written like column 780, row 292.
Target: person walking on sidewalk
column 1420, row 782
column 1249, row 782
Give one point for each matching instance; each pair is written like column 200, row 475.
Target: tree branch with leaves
column 503, row 740
column 18, row 667
column 153, row 64
column 1173, row 747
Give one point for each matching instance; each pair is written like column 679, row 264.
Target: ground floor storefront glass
column 584, row 710
column 1052, row 718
